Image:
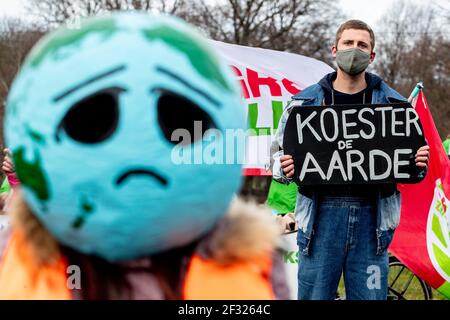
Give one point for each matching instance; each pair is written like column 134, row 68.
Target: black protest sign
column 354, row 144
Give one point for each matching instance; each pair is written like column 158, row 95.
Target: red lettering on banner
column 255, row 82
column 242, row 83
column 290, row 86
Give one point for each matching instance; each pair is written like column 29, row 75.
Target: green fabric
column 282, row 197
column 447, row 145
column 5, row 187
column 445, row 289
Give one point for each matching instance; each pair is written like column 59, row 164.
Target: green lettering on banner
column 436, row 227
column 277, row 111
column 253, row 120
column 291, row 257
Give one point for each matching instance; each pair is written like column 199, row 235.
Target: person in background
column 8, row 169
column 6, row 193
column 10, row 182
column 344, row 229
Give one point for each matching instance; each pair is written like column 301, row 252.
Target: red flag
column 422, row 240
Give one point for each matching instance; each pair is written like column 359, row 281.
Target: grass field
column 403, row 281
column 414, row 294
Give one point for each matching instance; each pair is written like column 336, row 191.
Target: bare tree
column 300, row 26
column 16, row 40
column 402, row 28
column 52, row 13
column 414, row 47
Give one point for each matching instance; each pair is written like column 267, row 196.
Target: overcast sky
column 367, row 10
column 11, row 7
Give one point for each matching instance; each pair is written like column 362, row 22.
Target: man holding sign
column 350, row 142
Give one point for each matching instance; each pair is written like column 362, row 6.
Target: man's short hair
column 358, row 25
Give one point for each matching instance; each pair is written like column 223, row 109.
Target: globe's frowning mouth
column 141, row 172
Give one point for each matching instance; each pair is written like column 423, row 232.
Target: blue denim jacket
column 388, row 208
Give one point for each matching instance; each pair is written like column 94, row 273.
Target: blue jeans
column 344, row 241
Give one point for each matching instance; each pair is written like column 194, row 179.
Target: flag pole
column 415, row 92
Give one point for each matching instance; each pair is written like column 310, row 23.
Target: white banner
column 268, row 79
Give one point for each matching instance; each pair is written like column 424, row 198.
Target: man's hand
column 287, row 164
column 7, row 165
column 422, row 156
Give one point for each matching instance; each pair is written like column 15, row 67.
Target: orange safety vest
column 21, row 279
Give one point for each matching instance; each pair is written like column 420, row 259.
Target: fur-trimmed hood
column 246, row 234
column 246, row 231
